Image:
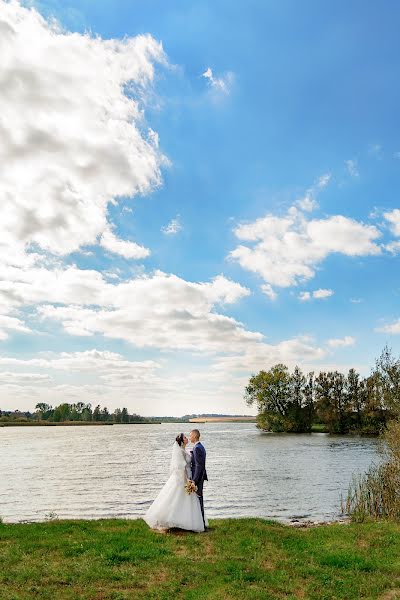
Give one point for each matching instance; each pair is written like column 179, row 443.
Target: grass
column 244, row 558
column 319, row 428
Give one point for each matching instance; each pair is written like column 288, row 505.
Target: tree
column 97, row 413
column 375, row 415
column 62, row 412
column 340, row 404
column 75, row 415
column 356, row 396
column 105, row 415
column 270, row 391
column 332, row 401
column 117, row 415
column 87, row 414
column 125, row 415
column 43, row 410
column 323, row 400
column 309, row 405
column 299, row 416
column 387, row 369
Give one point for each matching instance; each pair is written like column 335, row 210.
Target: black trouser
column 200, row 497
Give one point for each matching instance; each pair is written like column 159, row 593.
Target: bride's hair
column 179, row 438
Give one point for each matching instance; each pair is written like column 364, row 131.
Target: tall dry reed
column 376, row 494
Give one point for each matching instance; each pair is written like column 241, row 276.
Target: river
column 95, row 472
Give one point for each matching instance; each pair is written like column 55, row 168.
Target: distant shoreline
column 223, row 420
column 71, row 423
column 198, row 420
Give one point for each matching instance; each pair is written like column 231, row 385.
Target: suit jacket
column 199, row 473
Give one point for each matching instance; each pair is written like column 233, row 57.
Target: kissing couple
column 180, row 502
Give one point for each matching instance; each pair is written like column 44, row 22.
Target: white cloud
column 222, row 290
column 321, row 293
column 269, row 291
column 393, row 217
column 343, row 235
column 91, row 376
column 161, row 311
column 286, row 250
column 156, row 310
column 298, row 350
column 11, row 377
column 147, row 387
column 352, row 167
column 30, row 286
column 8, row 324
column 221, row 84
column 309, row 202
column 122, row 247
column 323, row 180
column 72, row 143
column 391, row 328
column 317, row 294
column 341, row 342
column 71, row 140
column 356, row 300
column 304, row 296
column 173, row 227
column 101, row 362
column 393, row 247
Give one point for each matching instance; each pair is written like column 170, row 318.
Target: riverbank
column 223, row 420
column 70, row 423
column 236, row 559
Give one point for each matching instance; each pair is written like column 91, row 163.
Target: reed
column 376, row 494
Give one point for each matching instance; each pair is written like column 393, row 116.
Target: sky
column 191, row 192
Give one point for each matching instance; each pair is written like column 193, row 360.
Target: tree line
column 343, row 403
column 73, row 412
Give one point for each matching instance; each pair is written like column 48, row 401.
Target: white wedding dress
column 173, row 507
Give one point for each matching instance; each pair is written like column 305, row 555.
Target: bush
column 271, row 422
column 377, row 493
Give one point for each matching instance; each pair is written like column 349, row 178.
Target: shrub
column 377, row 493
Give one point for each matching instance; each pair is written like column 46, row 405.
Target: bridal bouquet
column 190, row 487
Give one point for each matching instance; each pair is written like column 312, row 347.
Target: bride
column 174, row 507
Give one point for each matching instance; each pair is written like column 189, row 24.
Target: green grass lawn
column 244, row 558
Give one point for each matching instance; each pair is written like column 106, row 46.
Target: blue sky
column 284, row 111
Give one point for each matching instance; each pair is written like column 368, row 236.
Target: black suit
column 199, row 473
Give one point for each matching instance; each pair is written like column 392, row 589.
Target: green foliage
column 124, row 415
column 284, row 400
column 387, row 374
column 97, row 413
column 62, row 412
column 237, row 559
column 332, row 401
column 67, row 413
column 294, row 402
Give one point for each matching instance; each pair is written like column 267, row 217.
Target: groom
column 199, row 473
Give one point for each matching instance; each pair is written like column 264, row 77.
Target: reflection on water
column 93, row 472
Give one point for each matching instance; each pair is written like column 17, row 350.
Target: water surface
column 95, row 472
